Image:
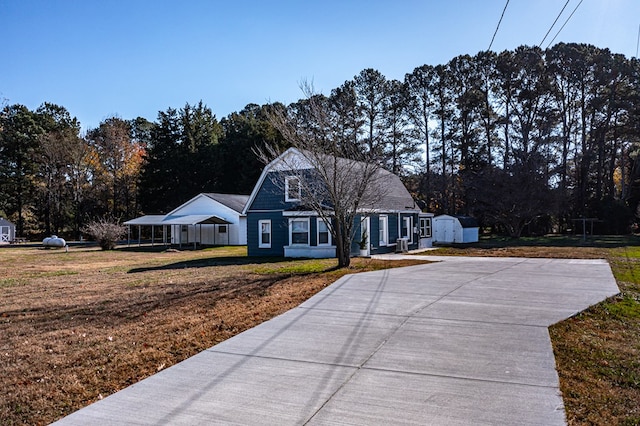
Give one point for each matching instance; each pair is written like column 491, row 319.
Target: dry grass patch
column 79, row 326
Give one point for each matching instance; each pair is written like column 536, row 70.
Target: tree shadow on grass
column 212, row 261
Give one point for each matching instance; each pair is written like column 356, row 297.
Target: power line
column 565, row 23
column 638, row 42
column 498, row 26
column 554, row 23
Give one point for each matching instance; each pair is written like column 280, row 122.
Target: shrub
column 105, row 232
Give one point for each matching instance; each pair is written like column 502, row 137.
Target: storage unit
column 7, row 231
column 455, row 229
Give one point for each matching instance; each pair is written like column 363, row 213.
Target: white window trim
column 430, row 233
column 260, row 243
column 291, row 244
column 330, row 243
column 385, row 219
column 409, row 228
column 286, row 188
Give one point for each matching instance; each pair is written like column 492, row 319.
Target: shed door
column 447, row 231
column 4, row 234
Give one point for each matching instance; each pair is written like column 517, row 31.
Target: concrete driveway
column 458, row 342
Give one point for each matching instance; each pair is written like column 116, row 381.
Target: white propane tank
column 54, row 241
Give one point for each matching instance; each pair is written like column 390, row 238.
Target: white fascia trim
column 387, row 211
column 265, row 211
column 299, row 213
column 307, row 213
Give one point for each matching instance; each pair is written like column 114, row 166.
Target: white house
column 207, row 219
column 455, row 229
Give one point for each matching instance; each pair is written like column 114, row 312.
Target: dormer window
column 292, row 188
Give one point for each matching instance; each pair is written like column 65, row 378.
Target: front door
column 365, row 226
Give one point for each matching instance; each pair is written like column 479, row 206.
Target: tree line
column 527, row 140
column 54, row 180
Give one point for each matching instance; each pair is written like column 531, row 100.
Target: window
column 222, row 229
column 324, row 236
column 406, row 229
column 425, row 227
column 383, row 226
column 299, row 231
column 264, row 234
column 292, row 188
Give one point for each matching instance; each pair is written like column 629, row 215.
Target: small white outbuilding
column 7, row 231
column 227, row 226
column 455, row 229
column 206, row 219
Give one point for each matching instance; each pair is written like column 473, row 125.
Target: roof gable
column 204, row 202
column 395, row 196
column 465, row 221
column 5, row 222
column 233, row 201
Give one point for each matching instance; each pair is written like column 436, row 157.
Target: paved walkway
column 458, row 342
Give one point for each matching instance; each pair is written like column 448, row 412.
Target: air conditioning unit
column 402, row 245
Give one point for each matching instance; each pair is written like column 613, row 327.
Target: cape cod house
column 279, row 224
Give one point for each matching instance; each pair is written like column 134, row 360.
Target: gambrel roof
column 392, row 194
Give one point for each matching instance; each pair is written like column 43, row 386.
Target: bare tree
column 337, row 180
column 107, row 232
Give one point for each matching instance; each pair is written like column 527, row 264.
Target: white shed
column 7, row 231
column 455, row 229
column 208, row 218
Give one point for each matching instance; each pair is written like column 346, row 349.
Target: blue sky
column 135, row 58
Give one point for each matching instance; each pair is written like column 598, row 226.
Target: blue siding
column 270, row 196
column 393, row 234
column 269, row 204
column 279, row 234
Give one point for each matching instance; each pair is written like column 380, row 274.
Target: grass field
column 78, row 326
